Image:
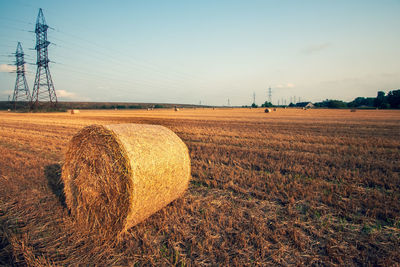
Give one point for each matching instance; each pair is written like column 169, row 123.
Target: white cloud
column 311, row 49
column 282, row 86
column 6, row 68
column 65, row 94
column 6, row 92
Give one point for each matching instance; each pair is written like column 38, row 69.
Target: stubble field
column 315, row 187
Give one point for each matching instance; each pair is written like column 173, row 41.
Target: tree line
column 382, row 101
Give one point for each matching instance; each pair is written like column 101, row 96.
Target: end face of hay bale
column 116, row 176
column 267, row 110
column 95, row 169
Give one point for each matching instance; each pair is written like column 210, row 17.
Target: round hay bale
column 353, row 110
column 176, row 109
column 274, row 109
column 75, row 111
column 267, row 110
column 115, row 176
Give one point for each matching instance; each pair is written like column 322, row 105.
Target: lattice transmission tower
column 21, row 89
column 270, row 95
column 43, row 89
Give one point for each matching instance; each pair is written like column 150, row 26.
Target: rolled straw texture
column 115, row 176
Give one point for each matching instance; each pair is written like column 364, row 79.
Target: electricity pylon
column 270, row 95
column 43, row 89
column 21, row 89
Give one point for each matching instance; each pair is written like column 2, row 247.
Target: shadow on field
column 6, row 253
column 6, row 256
column 53, row 176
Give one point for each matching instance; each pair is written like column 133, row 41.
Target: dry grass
column 290, row 187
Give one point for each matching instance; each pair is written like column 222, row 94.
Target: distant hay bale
column 176, row 109
column 274, row 109
column 75, row 111
column 8, row 110
column 117, row 175
column 267, row 110
column 353, row 110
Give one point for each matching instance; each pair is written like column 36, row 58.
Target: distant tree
column 267, row 104
column 362, row 101
column 254, row 105
column 380, row 100
column 292, row 105
column 336, row 104
column 158, row 106
column 393, row 98
column 328, row 103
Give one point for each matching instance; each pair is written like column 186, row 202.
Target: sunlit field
column 288, row 187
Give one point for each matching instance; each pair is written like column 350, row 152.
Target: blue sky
column 208, row 51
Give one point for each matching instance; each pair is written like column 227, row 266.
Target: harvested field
column 287, row 188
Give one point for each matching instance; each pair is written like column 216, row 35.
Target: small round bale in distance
column 115, row 176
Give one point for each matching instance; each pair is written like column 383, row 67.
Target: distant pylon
column 254, row 98
column 270, row 95
column 43, row 89
column 229, row 102
column 21, row 89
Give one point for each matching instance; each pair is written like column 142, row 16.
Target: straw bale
column 75, row 111
column 268, row 110
column 116, row 176
column 353, row 110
